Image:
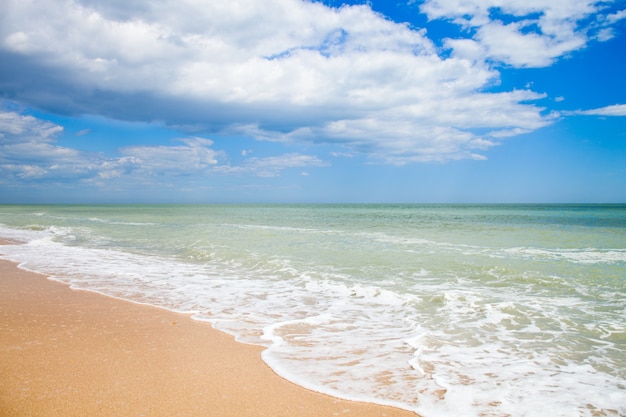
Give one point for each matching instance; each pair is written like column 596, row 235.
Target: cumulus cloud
column 524, row 33
column 289, row 70
column 281, row 69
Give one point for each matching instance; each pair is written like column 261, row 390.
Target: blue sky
column 201, row 101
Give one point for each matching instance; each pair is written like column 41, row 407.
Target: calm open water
column 447, row 310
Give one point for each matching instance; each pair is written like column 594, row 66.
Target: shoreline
column 67, row 352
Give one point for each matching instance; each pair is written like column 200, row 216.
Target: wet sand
column 66, row 352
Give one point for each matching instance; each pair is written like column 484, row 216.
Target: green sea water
column 447, row 310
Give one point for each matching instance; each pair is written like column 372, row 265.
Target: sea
column 445, row 310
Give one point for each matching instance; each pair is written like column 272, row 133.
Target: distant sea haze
column 446, row 310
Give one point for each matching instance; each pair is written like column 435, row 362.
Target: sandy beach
column 66, row 353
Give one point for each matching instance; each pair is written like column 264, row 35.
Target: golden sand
column 68, row 353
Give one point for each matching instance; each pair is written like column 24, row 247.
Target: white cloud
column 508, row 43
column 83, row 132
column 614, row 110
column 288, row 70
column 615, row 17
column 524, row 33
column 28, row 151
column 24, row 171
column 442, row 129
column 233, row 52
column 15, row 127
column 272, row 166
column 194, row 156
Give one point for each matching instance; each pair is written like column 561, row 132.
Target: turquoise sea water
column 447, row 310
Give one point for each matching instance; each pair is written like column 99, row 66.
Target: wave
column 433, row 341
column 580, row 256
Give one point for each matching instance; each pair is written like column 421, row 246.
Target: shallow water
column 447, row 310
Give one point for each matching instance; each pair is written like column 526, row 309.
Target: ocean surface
column 446, row 310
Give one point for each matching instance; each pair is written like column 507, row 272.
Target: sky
column 293, row 101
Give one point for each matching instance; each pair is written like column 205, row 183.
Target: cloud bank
column 290, row 70
column 29, row 151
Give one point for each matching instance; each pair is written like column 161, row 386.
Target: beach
column 439, row 310
column 69, row 352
